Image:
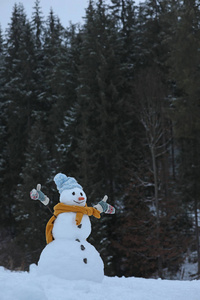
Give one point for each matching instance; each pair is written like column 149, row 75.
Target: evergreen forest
column 115, row 103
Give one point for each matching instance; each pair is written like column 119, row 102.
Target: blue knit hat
column 65, row 183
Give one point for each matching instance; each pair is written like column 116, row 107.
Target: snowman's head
column 75, row 196
column 71, row 193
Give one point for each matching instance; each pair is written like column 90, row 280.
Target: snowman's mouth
column 78, row 202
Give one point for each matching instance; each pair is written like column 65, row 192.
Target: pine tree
column 63, row 112
column 59, row 85
column 3, row 110
column 32, row 216
column 38, row 27
column 19, row 59
column 185, row 74
column 150, row 35
column 37, row 24
column 19, row 77
column 19, row 104
column 2, row 106
column 102, row 138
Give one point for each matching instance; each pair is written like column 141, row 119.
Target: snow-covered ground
column 29, row 286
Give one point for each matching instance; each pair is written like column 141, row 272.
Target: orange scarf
column 61, row 208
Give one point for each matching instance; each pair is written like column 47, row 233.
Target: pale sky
column 66, row 10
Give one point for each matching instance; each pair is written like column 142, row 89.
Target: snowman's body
column 65, row 227
column 69, row 255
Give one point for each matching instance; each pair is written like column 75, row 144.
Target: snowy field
column 29, row 286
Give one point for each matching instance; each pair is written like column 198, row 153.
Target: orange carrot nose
column 81, row 198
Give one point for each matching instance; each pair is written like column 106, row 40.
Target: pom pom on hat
column 65, row 183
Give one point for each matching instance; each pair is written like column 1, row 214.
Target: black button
column 79, row 226
column 82, row 247
column 77, row 240
column 85, row 260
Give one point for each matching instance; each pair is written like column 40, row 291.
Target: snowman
column 67, row 254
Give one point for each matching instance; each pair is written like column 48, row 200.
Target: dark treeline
column 115, row 103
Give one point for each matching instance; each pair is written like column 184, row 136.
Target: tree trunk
column 157, row 209
column 172, row 153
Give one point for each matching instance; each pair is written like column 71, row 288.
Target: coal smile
column 79, row 201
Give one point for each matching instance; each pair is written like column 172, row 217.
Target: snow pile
column 30, row 286
column 65, row 259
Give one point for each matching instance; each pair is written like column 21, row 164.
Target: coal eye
column 73, row 193
column 81, row 194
